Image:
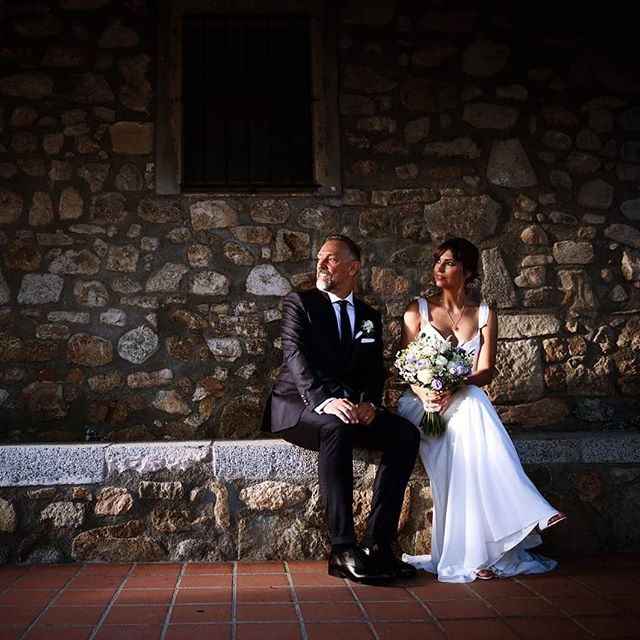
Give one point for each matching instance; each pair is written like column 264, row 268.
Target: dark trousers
column 398, row 440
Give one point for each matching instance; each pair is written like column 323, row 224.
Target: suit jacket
column 314, row 367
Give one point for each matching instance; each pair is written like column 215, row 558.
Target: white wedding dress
column 486, row 509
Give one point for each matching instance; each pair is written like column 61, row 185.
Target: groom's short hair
column 354, row 249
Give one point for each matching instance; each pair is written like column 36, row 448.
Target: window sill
column 266, row 193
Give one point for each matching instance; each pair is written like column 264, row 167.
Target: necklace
column 454, row 323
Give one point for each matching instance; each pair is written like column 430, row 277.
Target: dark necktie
column 346, row 337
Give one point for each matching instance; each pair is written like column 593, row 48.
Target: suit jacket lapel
column 328, row 319
column 329, row 324
column 360, row 315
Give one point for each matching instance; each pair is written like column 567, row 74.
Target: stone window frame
column 325, row 114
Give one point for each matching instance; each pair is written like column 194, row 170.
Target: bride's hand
column 430, row 399
column 423, row 394
column 433, row 400
column 442, row 400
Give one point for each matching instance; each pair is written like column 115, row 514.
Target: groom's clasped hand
column 350, row 413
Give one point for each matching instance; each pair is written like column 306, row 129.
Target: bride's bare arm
column 410, row 329
column 410, row 323
column 487, row 357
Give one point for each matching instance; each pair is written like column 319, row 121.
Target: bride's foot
column 555, row 519
column 485, row 574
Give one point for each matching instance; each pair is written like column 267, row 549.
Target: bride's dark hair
column 465, row 252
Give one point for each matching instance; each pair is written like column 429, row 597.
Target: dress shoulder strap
column 423, row 308
column 483, row 315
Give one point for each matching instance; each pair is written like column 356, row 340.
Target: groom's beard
column 324, row 281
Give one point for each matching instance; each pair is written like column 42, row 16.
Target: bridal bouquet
column 435, row 365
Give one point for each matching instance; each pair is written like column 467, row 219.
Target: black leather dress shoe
column 354, row 564
column 384, row 557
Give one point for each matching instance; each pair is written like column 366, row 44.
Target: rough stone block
column 518, row 372
column 273, row 495
column 509, row 165
column 8, row 518
column 267, row 460
column 527, row 326
column 611, row 448
column 118, row 543
column 113, row 501
column 131, row 137
column 64, row 514
column 152, row 456
column 161, row 490
column 25, row 465
column 547, row 450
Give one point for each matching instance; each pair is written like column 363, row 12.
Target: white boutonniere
column 367, row 328
column 366, row 331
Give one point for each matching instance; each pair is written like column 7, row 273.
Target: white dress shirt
column 352, row 319
column 351, row 311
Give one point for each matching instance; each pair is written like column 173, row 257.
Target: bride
column 487, row 513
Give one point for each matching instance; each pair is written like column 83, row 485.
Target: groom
column 328, row 398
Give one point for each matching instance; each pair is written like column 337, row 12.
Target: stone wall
column 128, row 316
column 258, row 500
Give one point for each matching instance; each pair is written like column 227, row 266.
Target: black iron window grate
column 247, row 102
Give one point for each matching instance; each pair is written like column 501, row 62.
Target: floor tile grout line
column 35, row 621
column 109, row 606
column 112, row 587
column 507, row 620
column 363, row 610
column 425, row 606
column 487, row 603
column 529, row 588
column 609, row 598
column 572, row 618
column 504, row 619
column 548, row 600
column 519, row 633
column 592, row 590
column 174, row 596
column 234, row 600
column 570, row 578
column 214, row 623
column 296, row 603
column 8, row 586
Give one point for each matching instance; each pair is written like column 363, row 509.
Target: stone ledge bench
column 258, row 499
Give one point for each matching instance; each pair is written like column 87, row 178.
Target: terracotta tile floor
column 595, row 597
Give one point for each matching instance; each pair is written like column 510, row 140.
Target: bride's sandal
column 485, row 574
column 553, row 520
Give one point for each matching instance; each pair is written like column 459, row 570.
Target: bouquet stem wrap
column 432, row 424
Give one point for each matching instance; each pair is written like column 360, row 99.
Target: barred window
column 247, row 101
